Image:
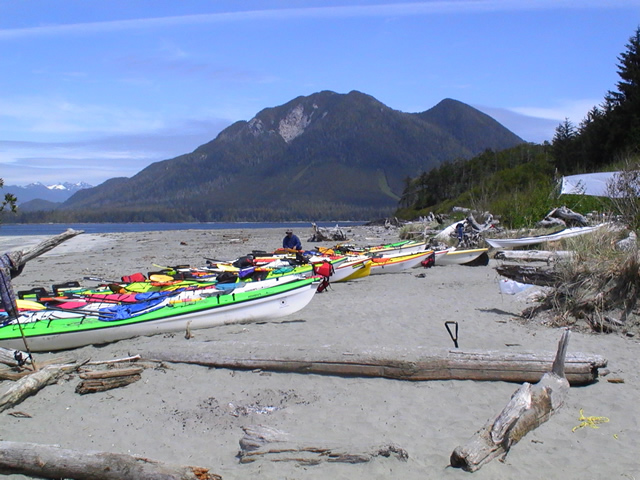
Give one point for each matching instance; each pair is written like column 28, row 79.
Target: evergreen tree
column 624, row 135
column 564, row 146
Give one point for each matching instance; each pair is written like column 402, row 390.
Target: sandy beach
column 194, row 415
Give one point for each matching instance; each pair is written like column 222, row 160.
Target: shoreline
column 193, row 415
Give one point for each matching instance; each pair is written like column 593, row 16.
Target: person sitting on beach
column 460, row 233
column 291, row 241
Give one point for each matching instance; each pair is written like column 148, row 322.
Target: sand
column 193, row 415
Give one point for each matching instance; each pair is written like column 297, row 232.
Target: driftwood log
column 100, row 381
column 563, row 216
column 321, row 234
column 448, row 365
column 48, row 461
column 533, row 255
column 262, row 442
column 541, row 276
column 529, row 407
column 19, row 371
column 31, row 384
column 13, row 358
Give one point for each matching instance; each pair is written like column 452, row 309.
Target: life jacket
column 227, row 277
column 136, row 277
column 244, row 262
column 429, row 261
column 325, row 269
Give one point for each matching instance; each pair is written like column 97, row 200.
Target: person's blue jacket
column 291, row 241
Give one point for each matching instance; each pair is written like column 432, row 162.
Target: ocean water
column 23, row 229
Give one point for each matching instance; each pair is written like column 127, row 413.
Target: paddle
column 101, row 280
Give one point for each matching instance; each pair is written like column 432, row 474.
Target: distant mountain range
column 325, row 156
column 56, row 193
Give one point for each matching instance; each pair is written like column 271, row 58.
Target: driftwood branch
column 48, row 461
column 448, row 365
column 48, row 244
column 262, row 442
column 132, row 358
column 529, row 407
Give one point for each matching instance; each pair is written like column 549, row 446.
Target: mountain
column 56, row 193
column 317, row 157
column 38, row 205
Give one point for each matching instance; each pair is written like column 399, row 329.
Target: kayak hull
column 51, row 330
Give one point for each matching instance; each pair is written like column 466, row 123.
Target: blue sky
column 91, row 90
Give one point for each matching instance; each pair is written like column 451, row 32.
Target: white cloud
column 529, row 128
column 574, row 110
column 94, row 160
column 59, row 116
column 344, row 11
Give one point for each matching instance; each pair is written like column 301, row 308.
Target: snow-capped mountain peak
column 57, row 192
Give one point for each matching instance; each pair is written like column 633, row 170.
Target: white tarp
column 588, row 184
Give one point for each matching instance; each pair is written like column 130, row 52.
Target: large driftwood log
column 541, row 276
column 48, row 461
column 48, row 244
column 448, row 365
column 262, row 442
column 533, row 255
column 529, row 407
column 32, row 383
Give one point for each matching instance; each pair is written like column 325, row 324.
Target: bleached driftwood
column 262, row 442
column 629, row 243
column 529, row 407
column 489, row 223
column 11, row 357
column 132, row 358
column 321, row 234
column 533, row 255
column 448, row 365
column 563, row 216
column 48, row 461
column 31, row 384
column 48, row 244
column 550, row 222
